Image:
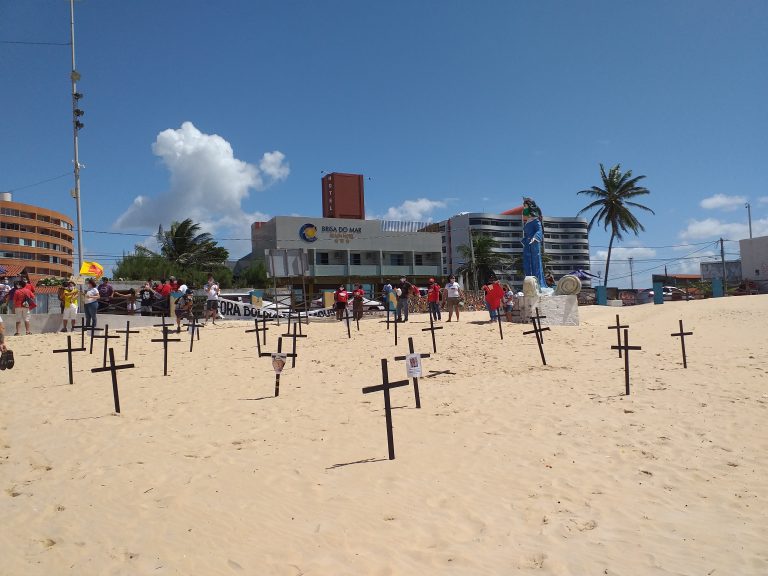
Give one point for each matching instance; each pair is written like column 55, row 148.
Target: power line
column 28, row 43
column 41, row 182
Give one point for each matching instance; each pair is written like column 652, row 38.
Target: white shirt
column 453, row 289
column 213, row 291
column 92, row 295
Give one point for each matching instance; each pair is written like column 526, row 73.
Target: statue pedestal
column 559, row 310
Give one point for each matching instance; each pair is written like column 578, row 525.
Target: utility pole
column 631, row 275
column 749, row 218
column 76, row 126
column 722, row 259
column 474, row 264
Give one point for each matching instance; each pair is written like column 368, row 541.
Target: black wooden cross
column 262, row 329
column 294, row 333
column 113, row 368
column 385, row 387
column 195, row 327
column 165, row 340
column 498, row 316
column 258, row 340
column 682, row 342
column 277, row 375
column 387, row 320
column 538, row 318
column 127, row 333
column 83, row 328
column 432, row 329
column 433, row 373
column 69, row 351
column 106, row 336
column 293, row 337
column 415, row 379
column 163, row 325
column 618, row 328
column 346, row 312
column 626, row 347
column 396, row 323
column 539, row 340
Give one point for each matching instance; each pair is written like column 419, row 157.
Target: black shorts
column 212, row 305
column 340, row 305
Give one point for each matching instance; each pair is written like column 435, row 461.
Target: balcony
column 434, row 270
column 395, row 271
column 364, row 270
column 320, row 270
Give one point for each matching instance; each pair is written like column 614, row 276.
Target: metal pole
column 474, row 264
column 75, row 76
column 749, row 218
column 722, row 259
column 631, row 275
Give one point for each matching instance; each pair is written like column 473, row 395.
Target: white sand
column 509, row 467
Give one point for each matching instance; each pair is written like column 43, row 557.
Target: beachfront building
column 345, row 251
column 34, row 240
column 566, row 242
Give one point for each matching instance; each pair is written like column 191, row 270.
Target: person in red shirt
column 23, row 302
column 433, row 299
column 357, row 302
column 494, row 294
column 165, row 291
column 340, row 297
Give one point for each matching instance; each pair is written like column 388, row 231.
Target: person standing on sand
column 212, row 299
column 433, row 299
column 91, row 304
column 493, row 297
column 69, row 298
column 357, row 302
column 404, row 292
column 454, row 294
column 508, row 301
column 340, row 297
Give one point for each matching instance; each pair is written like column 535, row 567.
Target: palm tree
column 481, row 259
column 613, row 201
column 184, row 245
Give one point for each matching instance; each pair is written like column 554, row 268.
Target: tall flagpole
column 76, row 126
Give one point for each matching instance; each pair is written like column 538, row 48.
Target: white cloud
column 763, row 200
column 419, row 210
column 714, row 228
column 207, row 184
column 723, row 202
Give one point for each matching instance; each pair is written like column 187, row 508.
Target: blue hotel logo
column 308, row 232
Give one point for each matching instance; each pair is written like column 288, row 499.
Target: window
column 418, row 260
column 354, row 259
column 396, row 260
column 322, row 258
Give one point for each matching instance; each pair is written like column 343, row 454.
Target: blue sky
column 225, row 111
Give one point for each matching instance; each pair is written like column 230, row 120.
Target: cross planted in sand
column 385, row 387
column 195, row 327
column 415, row 379
column 69, row 351
column 127, row 333
column 432, row 329
column 682, row 342
column 83, row 329
column 113, row 368
column 538, row 318
column 626, row 347
column 106, row 336
column 537, row 329
column 165, row 339
column 618, row 329
column 277, row 374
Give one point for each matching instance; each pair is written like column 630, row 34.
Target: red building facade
column 343, row 196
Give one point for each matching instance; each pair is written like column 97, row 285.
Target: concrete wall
column 754, row 258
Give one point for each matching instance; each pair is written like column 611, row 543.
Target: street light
column 77, row 125
column 749, row 218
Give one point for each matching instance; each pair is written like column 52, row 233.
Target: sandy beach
column 508, row 467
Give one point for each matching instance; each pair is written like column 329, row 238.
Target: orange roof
column 10, row 269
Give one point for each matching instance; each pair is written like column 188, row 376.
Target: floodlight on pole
column 76, row 127
column 749, row 218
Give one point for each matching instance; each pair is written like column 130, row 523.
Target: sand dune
column 509, row 466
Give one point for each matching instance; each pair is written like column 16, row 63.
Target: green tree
column 255, row 276
column 613, row 202
column 184, row 245
column 481, row 259
column 184, row 252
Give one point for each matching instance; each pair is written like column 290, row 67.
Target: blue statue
column 533, row 237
